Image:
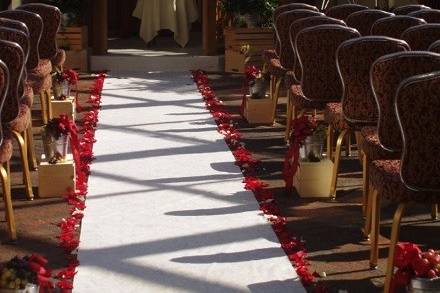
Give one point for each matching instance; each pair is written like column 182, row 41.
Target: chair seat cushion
column 333, row 115
column 43, row 69
column 40, row 84
column 275, row 68
column 28, row 95
column 269, row 54
column 300, row 102
column 6, row 149
column 23, row 119
column 370, row 145
column 59, row 58
column 385, row 178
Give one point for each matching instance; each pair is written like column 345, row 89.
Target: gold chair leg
column 32, row 157
column 348, row 145
column 6, row 186
column 263, row 71
column 375, row 228
column 368, row 213
column 276, row 97
column 392, row 250
column 434, row 211
column 330, row 135
column 49, row 104
column 43, row 106
column 21, row 139
column 289, row 112
column 365, row 183
column 334, row 183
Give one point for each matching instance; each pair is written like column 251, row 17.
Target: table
column 175, row 15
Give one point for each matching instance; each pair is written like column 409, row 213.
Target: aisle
column 166, row 210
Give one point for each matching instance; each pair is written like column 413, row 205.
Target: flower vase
column 61, row 90
column 55, row 148
column 424, row 285
column 65, row 89
column 257, row 88
column 30, row 288
column 311, row 151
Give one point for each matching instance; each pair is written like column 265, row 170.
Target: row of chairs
column 374, row 74
column 28, row 54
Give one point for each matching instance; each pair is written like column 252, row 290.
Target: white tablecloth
column 175, row 15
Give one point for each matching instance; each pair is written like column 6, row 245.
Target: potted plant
column 62, row 83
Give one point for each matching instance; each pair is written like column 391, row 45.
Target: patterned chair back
column 34, row 24
column 284, row 8
column 4, row 84
column 51, row 16
column 13, row 56
column 363, row 20
column 435, row 47
column 417, row 109
column 354, row 59
column 18, row 33
column 283, row 23
column 316, row 48
column 394, row 26
column 422, row 36
column 407, row 9
column 387, row 73
column 344, row 10
column 286, row 2
column 301, row 24
column 429, row 15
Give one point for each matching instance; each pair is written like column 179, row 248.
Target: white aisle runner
column 166, row 210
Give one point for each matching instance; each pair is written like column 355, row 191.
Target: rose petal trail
column 166, row 209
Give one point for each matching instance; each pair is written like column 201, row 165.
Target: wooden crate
column 78, row 60
column 73, row 38
column 55, row 179
column 314, row 179
column 65, row 107
column 259, row 111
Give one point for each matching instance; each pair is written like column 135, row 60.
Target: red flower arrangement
column 69, row 75
column 251, row 74
column 411, row 262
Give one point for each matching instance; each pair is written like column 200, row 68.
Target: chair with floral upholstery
column 420, row 37
column 6, row 153
column 275, row 53
column 429, row 15
column 387, row 73
column 358, row 107
column 48, row 48
column 363, row 20
column 320, row 82
column 344, row 10
column 394, row 26
column 416, row 176
column 278, row 67
column 21, row 125
column 435, row 47
column 407, row 9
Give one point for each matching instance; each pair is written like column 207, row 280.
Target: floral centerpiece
column 415, row 268
column 306, row 144
column 27, row 274
column 62, row 83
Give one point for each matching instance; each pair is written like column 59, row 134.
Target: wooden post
column 99, row 26
column 209, row 27
column 15, row 3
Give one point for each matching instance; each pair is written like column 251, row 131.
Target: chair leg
column 276, row 97
column 32, row 157
column 368, row 213
column 434, row 211
column 334, row 183
column 365, row 183
column 289, row 112
column 330, row 135
column 48, row 103
column 394, row 238
column 348, row 145
column 6, row 186
column 375, row 228
column 43, row 106
column 21, row 139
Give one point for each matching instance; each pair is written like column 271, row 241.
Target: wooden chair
column 407, row 9
column 20, row 120
column 416, row 176
column 420, row 37
column 358, row 107
column 343, row 11
column 320, row 82
column 394, row 26
column 386, row 74
column 363, row 20
column 6, row 153
column 429, row 15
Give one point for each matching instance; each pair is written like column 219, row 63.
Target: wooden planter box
column 78, row 60
column 73, row 38
column 259, row 111
column 314, row 179
column 55, row 179
column 66, row 107
column 258, row 39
